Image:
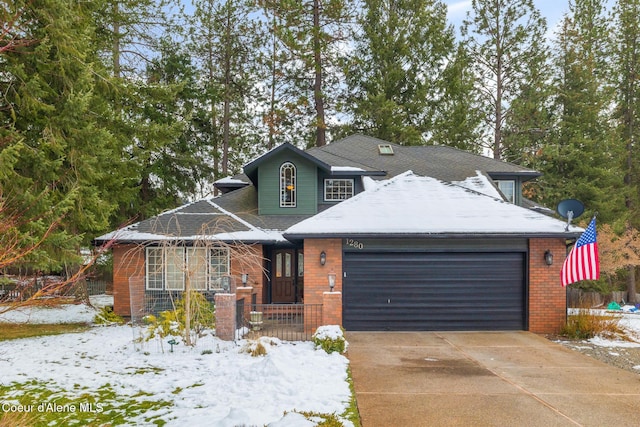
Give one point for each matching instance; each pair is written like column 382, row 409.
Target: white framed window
column 508, row 188
column 218, row 267
column 155, row 269
column 288, row 185
column 196, row 272
column 170, row 268
column 175, row 269
column 336, row 190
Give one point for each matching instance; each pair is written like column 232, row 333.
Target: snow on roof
column 481, row 184
column 131, row 233
column 346, row 169
column 230, row 180
column 412, row 204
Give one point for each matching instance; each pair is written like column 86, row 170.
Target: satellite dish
column 569, row 209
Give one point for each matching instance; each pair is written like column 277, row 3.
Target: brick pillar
column 225, row 316
column 332, row 308
column 547, row 296
column 128, row 263
column 245, row 292
column 136, row 298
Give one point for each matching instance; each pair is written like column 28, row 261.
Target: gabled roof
column 412, row 205
column 201, row 220
column 251, row 168
column 233, row 216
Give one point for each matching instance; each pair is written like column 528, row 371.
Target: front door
column 285, row 272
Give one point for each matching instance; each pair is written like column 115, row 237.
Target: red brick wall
column 332, row 308
column 129, row 267
column 225, row 316
column 547, row 297
column 249, row 259
column 128, row 263
column 316, row 281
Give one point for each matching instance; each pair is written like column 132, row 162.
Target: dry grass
column 586, row 324
column 11, row 331
column 16, row 419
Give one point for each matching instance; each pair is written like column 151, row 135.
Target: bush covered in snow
column 330, row 338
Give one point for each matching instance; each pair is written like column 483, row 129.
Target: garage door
column 421, row 291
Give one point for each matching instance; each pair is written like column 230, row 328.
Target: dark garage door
column 421, row 291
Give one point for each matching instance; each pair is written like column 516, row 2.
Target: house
column 386, row 237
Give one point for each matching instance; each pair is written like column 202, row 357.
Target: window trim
column 505, row 181
column 159, row 269
column 285, row 183
column 213, row 281
column 350, row 180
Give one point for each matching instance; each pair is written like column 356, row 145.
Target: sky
column 552, row 10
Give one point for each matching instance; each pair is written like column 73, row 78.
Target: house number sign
column 355, row 244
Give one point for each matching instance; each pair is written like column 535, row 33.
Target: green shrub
column 330, row 338
column 586, row 324
column 106, row 316
column 173, row 322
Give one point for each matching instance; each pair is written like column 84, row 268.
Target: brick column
column 245, row 292
column 332, row 308
column 547, row 297
column 128, row 263
column 136, row 298
column 225, row 316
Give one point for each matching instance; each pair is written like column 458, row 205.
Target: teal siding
column 269, row 186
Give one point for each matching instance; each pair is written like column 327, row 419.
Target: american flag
column 582, row 262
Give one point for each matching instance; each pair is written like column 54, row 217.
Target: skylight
column 385, row 149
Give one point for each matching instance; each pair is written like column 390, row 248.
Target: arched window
column 288, row 185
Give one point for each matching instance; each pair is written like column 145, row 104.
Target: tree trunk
column 187, row 310
column 321, row 137
column 631, row 284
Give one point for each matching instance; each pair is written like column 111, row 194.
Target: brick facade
column 547, row 297
column 316, row 276
column 546, row 303
column 129, row 275
column 225, row 316
column 128, row 266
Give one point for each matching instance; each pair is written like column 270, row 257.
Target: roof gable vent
column 385, row 149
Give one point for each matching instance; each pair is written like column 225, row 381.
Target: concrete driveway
column 485, row 379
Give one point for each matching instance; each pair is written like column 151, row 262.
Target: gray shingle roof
column 441, row 162
column 237, row 211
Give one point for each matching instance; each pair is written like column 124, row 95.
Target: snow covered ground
column 216, row 383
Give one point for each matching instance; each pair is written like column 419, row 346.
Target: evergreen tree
column 312, row 33
column 224, row 41
column 583, row 162
column 625, row 64
column 505, row 39
column 458, row 117
column 396, row 70
column 55, row 160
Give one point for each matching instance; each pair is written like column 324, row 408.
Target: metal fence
column 289, row 322
column 20, row 291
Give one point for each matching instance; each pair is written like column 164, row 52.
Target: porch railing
column 288, row 322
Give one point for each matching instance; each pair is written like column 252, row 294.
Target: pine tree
column 312, row 32
column 396, row 70
column 625, row 62
column 224, row 41
column 505, row 39
column 583, row 162
column 458, row 119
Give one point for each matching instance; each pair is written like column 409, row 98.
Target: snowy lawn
column 102, row 377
